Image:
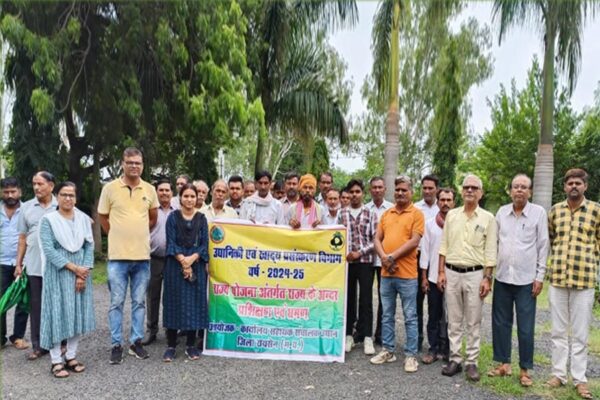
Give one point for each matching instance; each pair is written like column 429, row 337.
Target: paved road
column 216, row 377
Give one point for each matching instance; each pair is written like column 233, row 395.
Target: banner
column 276, row 293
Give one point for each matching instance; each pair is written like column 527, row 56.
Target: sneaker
column 411, row 364
column 383, row 357
column 369, row 349
column 138, row 350
column 169, row 354
column 192, row 353
column 349, row 343
column 116, row 355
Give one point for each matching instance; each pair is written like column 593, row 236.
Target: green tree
column 509, row 147
column 287, row 59
column 561, row 25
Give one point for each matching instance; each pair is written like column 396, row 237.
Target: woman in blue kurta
column 67, row 245
column 185, row 305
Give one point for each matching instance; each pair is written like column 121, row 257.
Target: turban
column 308, row 178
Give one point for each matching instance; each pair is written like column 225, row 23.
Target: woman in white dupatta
column 67, row 300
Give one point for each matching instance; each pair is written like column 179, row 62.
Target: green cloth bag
column 16, row 294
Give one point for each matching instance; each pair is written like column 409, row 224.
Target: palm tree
column 289, row 73
column 561, row 23
column 389, row 19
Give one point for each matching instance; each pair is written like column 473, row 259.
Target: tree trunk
column 96, row 187
column 543, row 177
column 392, row 124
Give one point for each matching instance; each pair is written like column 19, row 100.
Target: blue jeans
column 407, row 289
column 120, row 273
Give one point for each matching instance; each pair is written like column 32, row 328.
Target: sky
column 511, row 60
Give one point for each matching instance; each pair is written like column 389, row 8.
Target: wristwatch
column 391, row 259
column 489, row 277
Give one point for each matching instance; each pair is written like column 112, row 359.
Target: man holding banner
column 305, row 213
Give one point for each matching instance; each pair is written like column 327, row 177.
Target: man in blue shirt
column 10, row 210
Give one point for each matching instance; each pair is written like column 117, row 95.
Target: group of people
column 157, row 245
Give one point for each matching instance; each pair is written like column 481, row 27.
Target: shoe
column 169, row 354
column 525, row 379
column 116, row 355
column 349, row 343
column 20, row 344
column 369, row 348
column 500, row 370
column 451, row 369
column 383, row 357
column 554, row 382
column 472, row 373
column 411, row 364
column 137, row 350
column 149, row 340
column 192, row 353
column 429, row 358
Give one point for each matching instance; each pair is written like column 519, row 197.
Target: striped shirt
column 575, row 245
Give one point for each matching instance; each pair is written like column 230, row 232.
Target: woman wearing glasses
column 67, row 248
column 185, row 305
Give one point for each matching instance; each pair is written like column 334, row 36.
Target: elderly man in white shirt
column 437, row 327
column 522, row 251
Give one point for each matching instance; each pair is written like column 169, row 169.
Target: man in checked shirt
column 574, row 227
column 361, row 223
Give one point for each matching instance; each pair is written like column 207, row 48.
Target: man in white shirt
column 331, row 210
column 262, row 207
column 437, row 328
column 428, row 205
column 378, row 204
column 217, row 208
column 306, row 212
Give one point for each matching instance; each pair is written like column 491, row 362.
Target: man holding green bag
column 10, row 210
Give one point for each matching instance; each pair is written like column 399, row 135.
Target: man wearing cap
column 305, row 213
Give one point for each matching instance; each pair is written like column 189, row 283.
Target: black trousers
column 157, row 265
column 379, row 306
column 20, row 322
column 420, row 300
column 437, row 327
column 172, row 338
column 361, row 274
column 35, row 293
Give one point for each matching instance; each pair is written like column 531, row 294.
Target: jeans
column 363, row 275
column 137, row 274
column 20, row 324
column 507, row 297
column 407, row 289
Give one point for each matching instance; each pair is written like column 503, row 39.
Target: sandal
column 20, row 344
column 554, row 382
column 34, row 355
column 525, row 380
column 59, row 370
column 583, row 391
column 74, row 366
column 500, row 370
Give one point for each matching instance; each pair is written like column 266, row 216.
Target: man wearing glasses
column 127, row 209
column 522, row 253
column 467, row 258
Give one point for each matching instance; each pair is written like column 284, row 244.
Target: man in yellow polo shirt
column 398, row 234
column 128, row 208
column 467, row 258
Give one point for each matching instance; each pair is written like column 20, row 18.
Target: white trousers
column 571, row 310
column 56, row 353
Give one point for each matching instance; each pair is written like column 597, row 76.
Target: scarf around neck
column 312, row 213
column 439, row 220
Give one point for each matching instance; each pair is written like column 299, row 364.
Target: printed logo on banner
column 337, row 241
column 217, row 234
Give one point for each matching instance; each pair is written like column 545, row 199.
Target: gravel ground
column 223, row 377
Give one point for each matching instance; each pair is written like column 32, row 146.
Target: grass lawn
column 99, row 274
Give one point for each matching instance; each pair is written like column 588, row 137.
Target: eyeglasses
column 67, row 195
column 473, row 188
column 133, row 163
